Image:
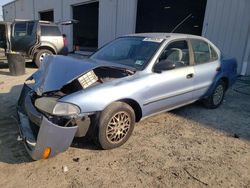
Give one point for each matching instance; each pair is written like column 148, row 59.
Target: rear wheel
column 115, row 125
column 217, row 96
column 40, row 55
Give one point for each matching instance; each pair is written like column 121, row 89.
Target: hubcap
column 218, row 94
column 118, row 127
column 42, row 56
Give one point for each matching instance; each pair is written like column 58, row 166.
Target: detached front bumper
column 38, row 133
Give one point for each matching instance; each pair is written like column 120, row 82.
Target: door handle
column 190, row 76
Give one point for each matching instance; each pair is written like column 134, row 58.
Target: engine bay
column 94, row 77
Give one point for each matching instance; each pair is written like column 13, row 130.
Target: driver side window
column 176, row 53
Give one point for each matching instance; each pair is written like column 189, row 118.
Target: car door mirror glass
column 164, row 65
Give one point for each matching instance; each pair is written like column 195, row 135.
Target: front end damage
column 48, row 125
column 43, row 135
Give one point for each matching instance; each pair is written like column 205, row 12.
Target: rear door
column 206, row 66
column 24, row 36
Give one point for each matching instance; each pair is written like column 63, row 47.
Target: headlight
column 65, row 109
column 46, row 104
column 51, row 106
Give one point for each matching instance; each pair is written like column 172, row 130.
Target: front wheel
column 217, row 96
column 115, row 125
column 40, row 55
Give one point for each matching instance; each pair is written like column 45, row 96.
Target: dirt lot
column 188, row 147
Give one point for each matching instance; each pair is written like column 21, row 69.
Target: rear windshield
column 47, row 30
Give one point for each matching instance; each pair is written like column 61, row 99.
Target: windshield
column 130, row 51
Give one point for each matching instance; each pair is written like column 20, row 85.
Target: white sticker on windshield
column 139, row 62
column 153, row 40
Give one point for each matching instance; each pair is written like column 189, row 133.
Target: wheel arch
column 225, row 81
column 45, row 48
column 135, row 106
column 216, row 81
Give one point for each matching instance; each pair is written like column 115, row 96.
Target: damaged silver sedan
column 131, row 78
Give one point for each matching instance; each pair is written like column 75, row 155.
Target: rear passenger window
column 203, row 52
column 214, row 55
column 23, row 29
column 47, row 30
column 30, row 27
column 20, row 30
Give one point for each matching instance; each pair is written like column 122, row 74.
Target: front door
column 170, row 88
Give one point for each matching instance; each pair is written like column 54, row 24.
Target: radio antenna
column 185, row 19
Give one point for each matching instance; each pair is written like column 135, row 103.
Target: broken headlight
column 51, row 106
column 65, row 109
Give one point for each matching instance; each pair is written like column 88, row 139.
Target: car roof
column 165, row 35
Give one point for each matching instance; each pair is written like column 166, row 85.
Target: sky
column 3, row 2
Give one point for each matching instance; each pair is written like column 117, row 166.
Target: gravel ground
column 188, row 147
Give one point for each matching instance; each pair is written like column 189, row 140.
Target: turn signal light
column 46, row 153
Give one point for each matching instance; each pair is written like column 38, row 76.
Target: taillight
column 65, row 41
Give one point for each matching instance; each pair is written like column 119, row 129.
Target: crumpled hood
column 57, row 71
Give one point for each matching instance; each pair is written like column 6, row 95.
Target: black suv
column 34, row 39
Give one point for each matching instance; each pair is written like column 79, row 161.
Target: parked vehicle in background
column 34, row 39
column 129, row 79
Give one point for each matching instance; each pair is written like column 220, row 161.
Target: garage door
column 166, row 15
column 86, row 31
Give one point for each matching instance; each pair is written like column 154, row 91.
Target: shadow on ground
column 232, row 117
column 84, row 143
column 11, row 150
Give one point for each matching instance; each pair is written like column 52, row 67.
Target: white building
column 225, row 22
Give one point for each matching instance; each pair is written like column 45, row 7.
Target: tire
column 40, row 55
column 111, row 131
column 217, row 96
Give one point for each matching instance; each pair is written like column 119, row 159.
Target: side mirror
column 164, row 65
